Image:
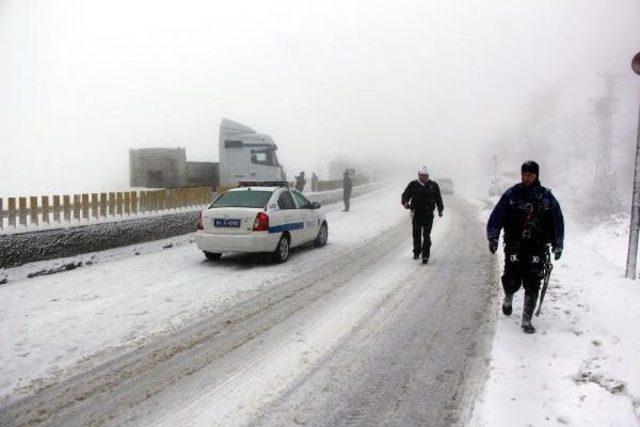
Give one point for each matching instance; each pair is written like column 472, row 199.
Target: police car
column 260, row 219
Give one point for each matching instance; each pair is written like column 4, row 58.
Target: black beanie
column 530, row 167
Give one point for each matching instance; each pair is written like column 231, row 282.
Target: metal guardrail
column 66, row 209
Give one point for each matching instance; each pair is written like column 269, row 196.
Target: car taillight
column 200, row 225
column 261, row 223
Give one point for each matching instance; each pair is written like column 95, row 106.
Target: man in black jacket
column 347, row 185
column 422, row 196
column 532, row 220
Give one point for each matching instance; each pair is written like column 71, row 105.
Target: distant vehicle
column 260, row 219
column 246, row 155
column 446, row 185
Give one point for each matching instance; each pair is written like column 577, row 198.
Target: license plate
column 226, row 222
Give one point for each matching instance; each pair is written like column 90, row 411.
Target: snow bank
column 581, row 367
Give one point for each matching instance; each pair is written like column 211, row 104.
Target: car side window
column 301, row 201
column 285, row 201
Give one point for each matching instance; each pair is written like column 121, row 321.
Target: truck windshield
column 264, row 156
column 242, row 199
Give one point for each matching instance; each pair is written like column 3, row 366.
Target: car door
column 291, row 220
column 309, row 216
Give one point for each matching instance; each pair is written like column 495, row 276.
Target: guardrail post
column 56, row 208
column 22, row 210
column 112, row 204
column 76, row 207
column 161, row 200
column 143, row 201
column 11, row 211
column 95, row 203
column 119, row 203
column 134, row 202
column 85, row 206
column 66, row 206
column 127, row 203
column 103, row 205
column 147, row 201
column 45, row 209
column 33, row 209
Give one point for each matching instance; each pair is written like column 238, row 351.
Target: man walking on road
column 532, row 220
column 422, row 196
column 347, row 185
column 301, row 181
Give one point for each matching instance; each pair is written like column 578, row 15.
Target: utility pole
column 605, row 107
column 632, row 254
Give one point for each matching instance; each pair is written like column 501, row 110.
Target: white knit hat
column 423, row 171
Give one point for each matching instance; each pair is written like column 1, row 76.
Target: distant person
column 422, row 196
column 347, row 185
column 300, row 181
column 314, row 182
column 532, row 220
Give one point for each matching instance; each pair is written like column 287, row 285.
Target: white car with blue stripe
column 260, row 219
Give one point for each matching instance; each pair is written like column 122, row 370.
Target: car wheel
column 212, row 256
column 281, row 253
column 323, row 235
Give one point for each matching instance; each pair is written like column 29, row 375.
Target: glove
column 493, row 246
column 407, row 205
column 440, row 214
column 557, row 253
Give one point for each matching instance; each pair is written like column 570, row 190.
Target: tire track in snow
column 95, row 396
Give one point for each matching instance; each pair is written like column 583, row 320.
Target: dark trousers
column 346, row 198
column 422, row 236
column 523, row 267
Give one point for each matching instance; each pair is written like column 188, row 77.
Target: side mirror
column 314, row 205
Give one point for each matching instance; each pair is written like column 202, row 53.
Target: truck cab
column 246, row 155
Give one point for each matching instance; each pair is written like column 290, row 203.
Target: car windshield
column 242, row 199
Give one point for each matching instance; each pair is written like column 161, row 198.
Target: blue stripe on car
column 286, row 227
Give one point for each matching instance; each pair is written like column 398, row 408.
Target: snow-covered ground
column 53, row 326
column 582, row 367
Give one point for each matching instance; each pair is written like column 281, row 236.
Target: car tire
column 281, row 254
column 322, row 237
column 212, row 256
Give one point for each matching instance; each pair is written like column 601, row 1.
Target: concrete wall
column 22, row 248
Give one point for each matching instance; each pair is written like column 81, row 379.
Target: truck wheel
column 281, row 254
column 212, row 256
column 323, row 235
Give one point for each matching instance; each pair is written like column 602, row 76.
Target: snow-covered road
column 353, row 333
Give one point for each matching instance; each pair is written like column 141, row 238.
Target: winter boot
column 425, row 260
column 507, row 304
column 530, row 300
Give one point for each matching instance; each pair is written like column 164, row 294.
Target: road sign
column 635, row 64
column 634, row 228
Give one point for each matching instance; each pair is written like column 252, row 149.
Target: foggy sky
column 442, row 83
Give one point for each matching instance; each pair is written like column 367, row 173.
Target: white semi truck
column 246, row 155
